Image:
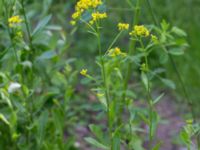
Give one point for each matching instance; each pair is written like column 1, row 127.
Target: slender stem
column 26, row 24
column 10, row 35
column 113, row 42
column 106, row 88
column 130, row 52
column 148, row 90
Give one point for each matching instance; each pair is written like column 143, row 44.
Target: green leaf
column 185, row 137
column 42, row 122
column 3, row 118
column 119, row 74
column 157, row 146
column 96, row 143
column 47, row 55
column 165, row 25
column 176, row 51
column 169, row 83
column 3, row 52
column 97, row 131
column 163, row 57
column 145, row 80
column 41, row 24
column 158, row 98
column 179, row 32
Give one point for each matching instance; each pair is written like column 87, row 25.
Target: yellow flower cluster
column 97, row 16
column 14, row 20
column 116, row 52
column 123, row 26
column 83, row 5
column 140, row 30
column 84, row 72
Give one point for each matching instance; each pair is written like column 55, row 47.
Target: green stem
column 106, row 88
column 26, row 24
column 149, row 98
column 9, row 33
column 113, row 42
column 130, row 53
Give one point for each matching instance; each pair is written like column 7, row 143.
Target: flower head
column 140, row 30
column 82, row 6
column 123, row 26
column 14, row 20
column 97, row 16
column 116, row 52
column 83, row 72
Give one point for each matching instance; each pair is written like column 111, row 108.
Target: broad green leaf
column 41, row 25
column 96, row 143
column 179, row 32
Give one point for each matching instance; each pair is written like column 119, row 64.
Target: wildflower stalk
column 106, row 88
column 189, row 101
column 130, row 52
column 149, row 98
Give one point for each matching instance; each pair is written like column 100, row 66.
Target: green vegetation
column 105, row 66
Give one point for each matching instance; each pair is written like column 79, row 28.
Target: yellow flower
column 140, row 30
column 123, row 26
column 14, row 20
column 83, row 5
column 76, row 15
column 84, row 72
column 97, row 16
column 116, row 52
